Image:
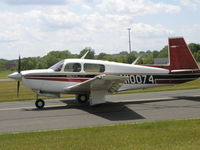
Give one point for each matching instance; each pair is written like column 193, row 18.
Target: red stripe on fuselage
column 61, row 79
column 166, row 81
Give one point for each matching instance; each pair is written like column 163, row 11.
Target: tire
column 82, row 98
column 39, row 103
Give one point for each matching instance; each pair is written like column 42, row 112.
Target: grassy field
column 4, row 74
column 8, row 90
column 166, row 135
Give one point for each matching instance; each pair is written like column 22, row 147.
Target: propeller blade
column 18, row 86
column 19, row 71
column 19, row 64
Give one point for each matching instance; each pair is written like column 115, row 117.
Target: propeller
column 17, row 75
column 19, row 71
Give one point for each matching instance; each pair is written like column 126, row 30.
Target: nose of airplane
column 16, row 76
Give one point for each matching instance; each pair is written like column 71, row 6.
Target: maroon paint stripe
column 91, row 73
column 173, row 81
column 187, row 72
column 120, row 73
column 61, row 79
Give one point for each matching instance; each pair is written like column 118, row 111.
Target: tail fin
column 180, row 56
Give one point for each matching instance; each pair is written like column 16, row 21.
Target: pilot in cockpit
column 76, row 67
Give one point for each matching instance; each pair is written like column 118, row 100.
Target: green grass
column 8, row 90
column 4, row 74
column 165, row 135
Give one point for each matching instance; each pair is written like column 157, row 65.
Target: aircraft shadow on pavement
column 109, row 110
column 190, row 98
column 112, row 111
column 117, row 111
column 160, row 104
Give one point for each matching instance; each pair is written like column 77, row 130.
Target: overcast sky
column 35, row 27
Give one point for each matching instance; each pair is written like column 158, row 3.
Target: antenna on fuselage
column 83, row 57
column 135, row 61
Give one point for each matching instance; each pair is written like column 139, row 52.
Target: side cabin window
column 94, row 68
column 72, row 67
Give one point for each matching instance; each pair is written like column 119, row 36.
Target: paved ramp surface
column 129, row 108
column 2, row 80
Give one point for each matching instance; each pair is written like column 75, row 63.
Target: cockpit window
column 73, row 67
column 58, row 66
column 94, row 68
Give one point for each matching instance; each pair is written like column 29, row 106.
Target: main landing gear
column 82, row 98
column 39, row 103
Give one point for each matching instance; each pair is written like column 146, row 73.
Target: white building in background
column 161, row 60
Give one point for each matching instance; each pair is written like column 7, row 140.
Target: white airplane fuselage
column 51, row 81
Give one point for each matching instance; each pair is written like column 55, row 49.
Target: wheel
column 39, row 103
column 82, row 98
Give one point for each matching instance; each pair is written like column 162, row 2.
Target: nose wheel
column 39, row 103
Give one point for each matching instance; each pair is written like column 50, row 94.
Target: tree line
column 54, row 56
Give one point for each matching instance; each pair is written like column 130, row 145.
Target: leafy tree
column 2, row 64
column 130, row 58
column 194, row 47
column 123, row 53
column 163, row 52
column 155, row 54
column 55, row 56
column 28, row 63
column 148, row 59
column 102, row 56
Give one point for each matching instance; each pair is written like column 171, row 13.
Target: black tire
column 39, row 103
column 82, row 98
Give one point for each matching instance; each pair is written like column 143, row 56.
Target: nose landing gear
column 39, row 103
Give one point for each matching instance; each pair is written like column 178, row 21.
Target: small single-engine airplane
column 91, row 80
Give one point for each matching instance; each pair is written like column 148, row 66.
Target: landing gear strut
column 82, row 98
column 39, row 103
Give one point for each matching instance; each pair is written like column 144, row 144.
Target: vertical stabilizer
column 180, row 56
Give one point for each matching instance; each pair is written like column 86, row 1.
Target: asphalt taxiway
column 2, row 80
column 126, row 108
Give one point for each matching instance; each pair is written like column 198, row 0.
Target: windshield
column 58, row 66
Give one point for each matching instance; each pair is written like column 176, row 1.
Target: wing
column 110, row 83
column 98, row 87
